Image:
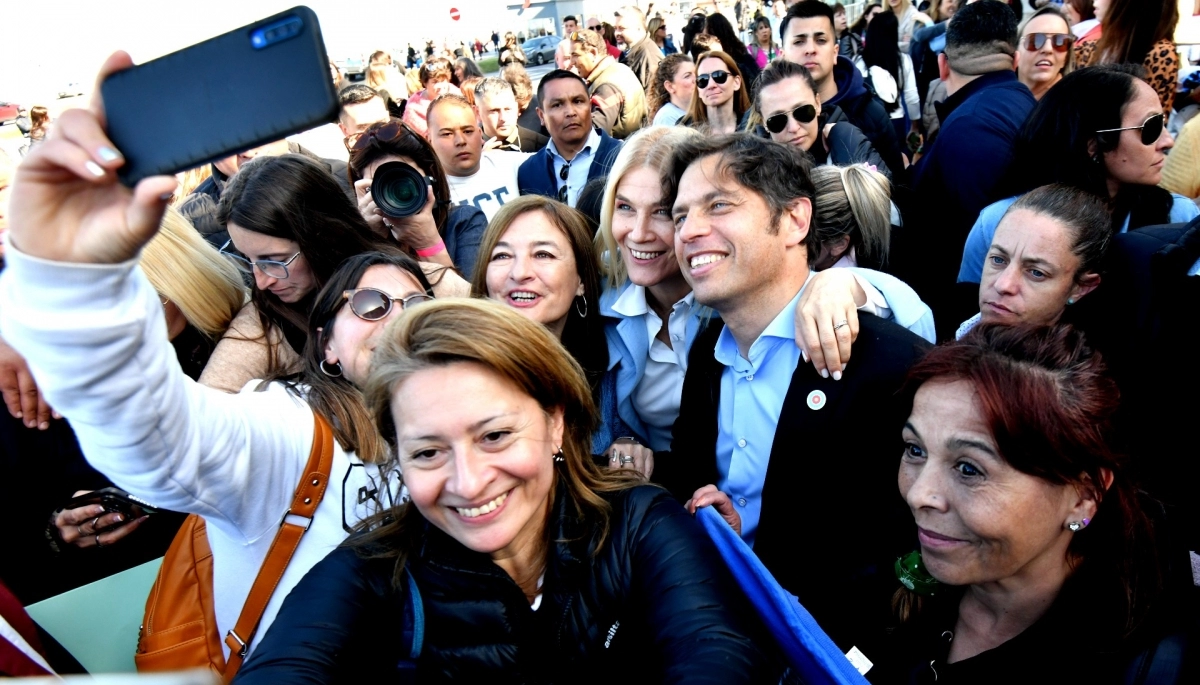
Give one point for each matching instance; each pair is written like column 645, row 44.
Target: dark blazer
column 532, row 141
column 537, row 175
column 831, row 513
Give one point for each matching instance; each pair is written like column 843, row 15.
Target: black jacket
column 831, row 512
column 865, row 111
column 656, row 604
column 847, row 144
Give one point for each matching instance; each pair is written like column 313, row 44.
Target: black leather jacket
column 655, row 604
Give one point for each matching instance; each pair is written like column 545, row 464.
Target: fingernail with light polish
column 94, row 169
column 824, row 373
column 108, row 154
column 837, row 375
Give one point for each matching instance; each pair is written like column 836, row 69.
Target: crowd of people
column 545, row 327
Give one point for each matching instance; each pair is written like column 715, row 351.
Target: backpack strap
column 304, row 505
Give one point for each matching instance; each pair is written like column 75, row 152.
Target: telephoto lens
column 399, row 190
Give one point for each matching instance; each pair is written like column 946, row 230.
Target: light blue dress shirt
column 752, row 394
column 577, row 173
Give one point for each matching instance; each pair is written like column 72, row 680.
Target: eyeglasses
column 719, row 76
column 804, row 114
column 372, row 304
column 1059, row 41
column 393, row 129
column 562, row 174
column 1151, row 129
column 351, row 139
column 266, row 266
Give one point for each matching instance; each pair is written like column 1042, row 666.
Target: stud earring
column 1075, row 526
column 1070, row 300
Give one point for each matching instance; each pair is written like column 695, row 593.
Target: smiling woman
column 528, row 558
column 1028, row 521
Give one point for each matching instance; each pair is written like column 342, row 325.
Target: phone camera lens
column 399, row 190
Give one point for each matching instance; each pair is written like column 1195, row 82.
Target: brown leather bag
column 179, row 630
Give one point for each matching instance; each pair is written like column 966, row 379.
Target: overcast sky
column 47, row 43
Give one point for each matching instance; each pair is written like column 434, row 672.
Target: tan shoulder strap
column 295, row 523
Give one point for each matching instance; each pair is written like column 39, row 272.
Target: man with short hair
column 360, row 106
column 642, row 54
column 570, row 24
column 962, row 169
column 810, row 40
column 577, row 152
column 496, row 105
column 761, row 436
column 618, row 99
column 484, row 179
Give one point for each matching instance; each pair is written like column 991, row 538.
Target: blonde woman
column 909, row 19
column 852, row 212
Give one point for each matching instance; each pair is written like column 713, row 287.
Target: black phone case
column 217, row 98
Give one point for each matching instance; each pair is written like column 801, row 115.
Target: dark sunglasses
column 1151, row 129
column 562, row 174
column 804, row 114
column 1059, row 41
column 386, row 132
column 372, row 304
column 719, row 76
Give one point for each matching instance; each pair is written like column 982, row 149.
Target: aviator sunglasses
column 1059, row 41
column 1151, row 129
column 719, row 76
column 804, row 114
column 372, row 304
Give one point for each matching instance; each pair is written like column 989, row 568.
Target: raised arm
column 91, row 327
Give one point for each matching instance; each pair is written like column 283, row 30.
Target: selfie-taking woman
column 1101, row 129
column 1038, row 556
column 90, row 324
column 671, row 94
column 290, row 226
column 537, row 258
column 1044, row 54
column 720, row 97
column 435, row 230
column 1063, row 232
column 532, row 564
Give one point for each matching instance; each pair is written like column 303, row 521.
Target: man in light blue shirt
column 803, row 466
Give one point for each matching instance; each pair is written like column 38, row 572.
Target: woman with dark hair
column 465, row 68
column 1063, row 231
column 671, row 93
column 1038, row 556
column 908, row 21
column 891, row 74
column 1082, row 16
column 1101, row 130
column 440, row 232
column 290, row 226
column 849, row 43
column 764, row 49
column 869, row 12
column 1137, row 32
column 720, row 98
column 527, row 561
column 78, row 306
column 537, row 258
column 609, row 33
column 717, row 26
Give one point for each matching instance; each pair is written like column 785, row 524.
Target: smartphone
column 114, row 500
column 248, row 87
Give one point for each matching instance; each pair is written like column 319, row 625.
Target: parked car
column 540, row 50
column 9, row 111
column 354, row 70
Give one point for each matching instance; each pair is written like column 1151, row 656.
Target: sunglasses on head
column 804, row 114
column 719, row 76
column 372, row 304
column 386, row 132
column 1059, row 41
column 1151, row 129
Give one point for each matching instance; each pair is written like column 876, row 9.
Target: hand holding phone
column 99, row 518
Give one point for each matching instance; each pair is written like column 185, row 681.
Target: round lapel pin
column 816, row 400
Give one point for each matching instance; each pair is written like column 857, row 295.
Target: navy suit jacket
column 537, row 175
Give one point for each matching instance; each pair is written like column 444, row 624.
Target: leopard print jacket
column 1162, row 67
